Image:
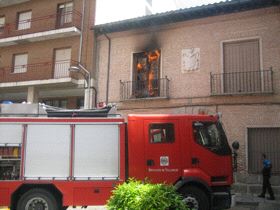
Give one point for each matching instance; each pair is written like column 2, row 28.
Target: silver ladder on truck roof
column 42, row 110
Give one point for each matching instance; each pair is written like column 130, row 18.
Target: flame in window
column 147, row 73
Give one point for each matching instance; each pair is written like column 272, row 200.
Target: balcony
column 36, row 72
column 41, row 28
column 5, row 3
column 146, row 89
column 251, row 82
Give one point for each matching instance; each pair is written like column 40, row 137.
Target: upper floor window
column 62, row 62
column 2, row 24
column 20, row 63
column 24, row 20
column 242, row 73
column 146, row 74
column 65, row 14
column 162, row 133
column 62, row 103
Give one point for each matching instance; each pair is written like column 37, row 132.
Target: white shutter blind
column 2, row 21
column 242, row 66
column 24, row 20
column 68, row 10
column 20, row 63
column 62, row 63
column 2, row 24
column 242, row 56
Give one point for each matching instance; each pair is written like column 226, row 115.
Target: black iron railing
column 248, row 82
column 41, row 24
column 157, row 88
column 37, row 71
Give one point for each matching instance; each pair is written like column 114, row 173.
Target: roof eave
column 184, row 15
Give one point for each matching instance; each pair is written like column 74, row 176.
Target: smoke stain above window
column 146, row 73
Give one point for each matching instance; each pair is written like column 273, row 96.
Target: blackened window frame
column 140, row 84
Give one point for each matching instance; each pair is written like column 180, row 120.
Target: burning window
column 146, row 72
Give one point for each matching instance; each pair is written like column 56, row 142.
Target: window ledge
column 240, row 94
column 145, row 99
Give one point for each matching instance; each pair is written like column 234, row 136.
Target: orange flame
column 151, row 77
column 139, row 66
column 153, row 56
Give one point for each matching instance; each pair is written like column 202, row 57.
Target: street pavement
column 244, row 202
column 261, row 206
column 89, row 208
column 238, row 207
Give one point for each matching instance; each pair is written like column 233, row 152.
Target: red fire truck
column 50, row 163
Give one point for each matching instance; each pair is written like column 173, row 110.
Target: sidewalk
column 249, row 202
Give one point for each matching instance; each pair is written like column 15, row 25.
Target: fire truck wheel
column 37, row 199
column 195, row 198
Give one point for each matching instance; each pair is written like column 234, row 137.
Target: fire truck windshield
column 211, row 135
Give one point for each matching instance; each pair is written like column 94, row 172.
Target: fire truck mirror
column 198, row 124
column 235, row 145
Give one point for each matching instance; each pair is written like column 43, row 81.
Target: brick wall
column 190, row 92
column 206, row 34
column 41, row 53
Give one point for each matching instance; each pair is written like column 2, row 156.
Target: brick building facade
column 214, row 58
column 39, row 41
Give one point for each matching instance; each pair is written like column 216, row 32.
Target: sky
column 115, row 10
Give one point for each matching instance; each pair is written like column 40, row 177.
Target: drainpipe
column 80, row 56
column 82, row 31
column 95, row 63
column 95, row 96
column 108, row 67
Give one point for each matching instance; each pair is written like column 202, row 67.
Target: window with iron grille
column 65, row 14
column 146, row 74
column 20, row 63
column 62, row 62
column 267, row 141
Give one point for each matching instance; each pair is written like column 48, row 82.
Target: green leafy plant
column 135, row 195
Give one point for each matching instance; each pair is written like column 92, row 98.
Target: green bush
column 135, row 195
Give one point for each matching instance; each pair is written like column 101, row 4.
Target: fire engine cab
column 76, row 158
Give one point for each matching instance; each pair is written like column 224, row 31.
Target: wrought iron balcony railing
column 41, row 24
column 156, row 88
column 37, row 71
column 250, row 82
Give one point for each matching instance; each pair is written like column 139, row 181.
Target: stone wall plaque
column 190, row 59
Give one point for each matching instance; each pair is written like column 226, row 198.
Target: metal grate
column 157, row 88
column 263, row 140
column 42, row 23
column 248, row 82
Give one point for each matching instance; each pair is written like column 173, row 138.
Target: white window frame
column 132, row 65
column 66, row 16
column 2, row 26
column 20, row 66
column 24, row 23
column 61, row 66
column 240, row 40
